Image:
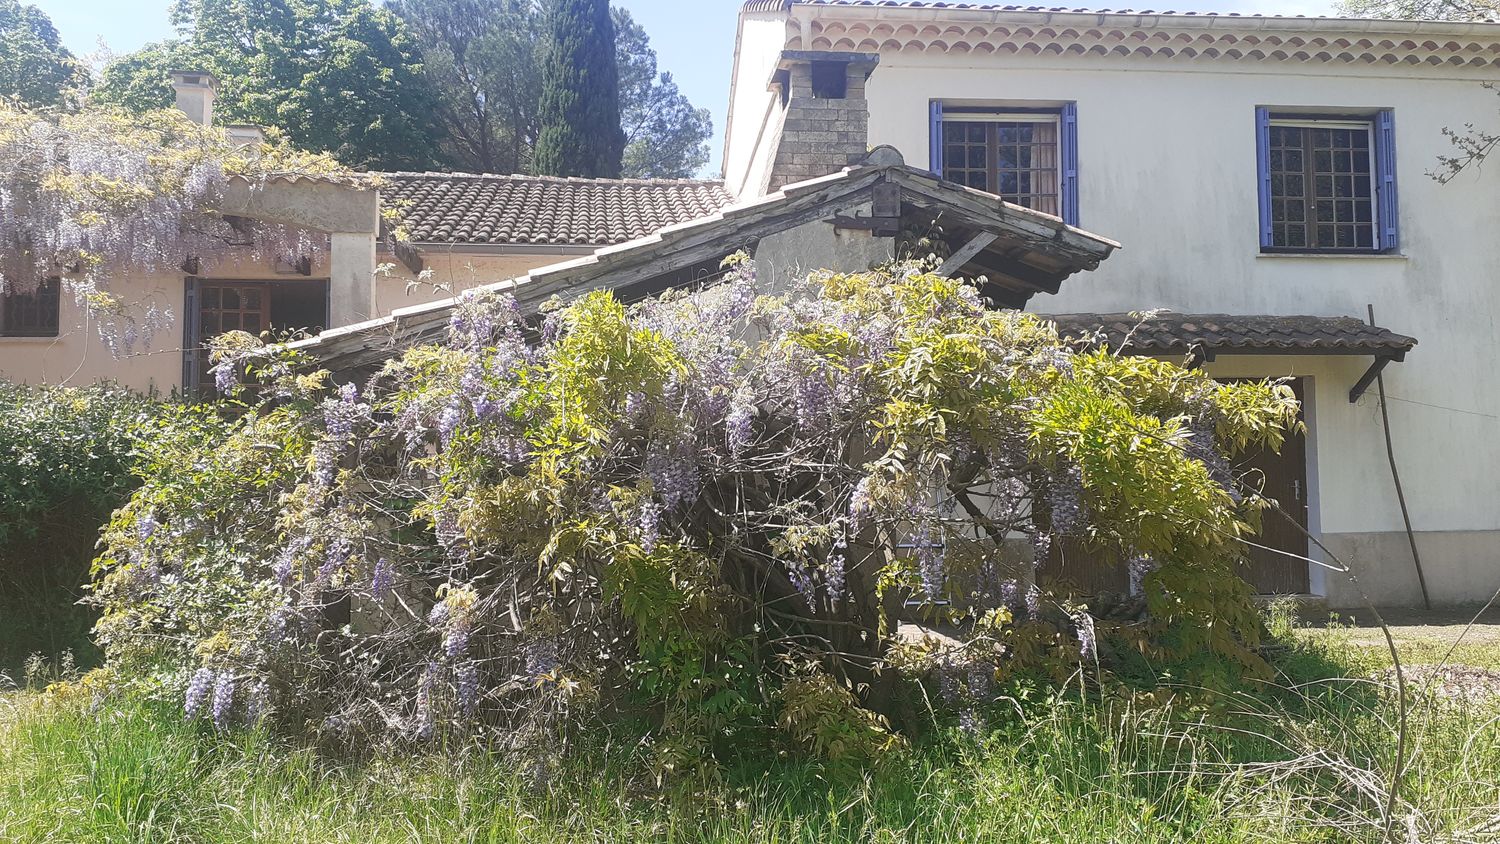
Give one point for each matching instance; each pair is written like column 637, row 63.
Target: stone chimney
column 826, row 126
column 195, row 94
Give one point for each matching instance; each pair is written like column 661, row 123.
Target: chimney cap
column 193, row 78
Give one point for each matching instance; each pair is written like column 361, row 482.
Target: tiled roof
column 779, row 5
column 1170, row 332
column 776, row 5
column 463, row 208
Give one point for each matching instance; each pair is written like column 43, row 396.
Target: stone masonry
column 821, row 134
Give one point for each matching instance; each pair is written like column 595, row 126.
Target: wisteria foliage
column 100, row 195
column 717, row 509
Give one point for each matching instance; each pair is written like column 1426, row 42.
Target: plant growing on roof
column 716, row 506
column 100, row 194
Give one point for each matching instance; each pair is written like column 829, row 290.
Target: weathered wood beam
column 965, row 253
column 1370, row 375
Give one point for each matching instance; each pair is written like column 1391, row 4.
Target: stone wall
column 820, row 134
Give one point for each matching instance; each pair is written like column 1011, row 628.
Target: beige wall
column 452, row 273
column 79, row 356
column 1167, row 167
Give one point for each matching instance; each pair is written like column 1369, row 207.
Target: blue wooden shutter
column 935, row 137
column 1385, row 180
column 1069, row 144
column 1263, row 171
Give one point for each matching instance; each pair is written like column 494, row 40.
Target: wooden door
column 216, row 307
column 1282, row 477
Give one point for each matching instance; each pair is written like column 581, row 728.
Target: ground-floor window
column 274, row 310
column 33, row 313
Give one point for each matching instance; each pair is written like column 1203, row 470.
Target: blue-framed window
column 1028, row 156
column 1327, row 182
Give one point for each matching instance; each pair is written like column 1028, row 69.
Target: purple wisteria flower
column 834, row 574
column 223, row 702
column 466, row 687
column 383, row 578
column 1065, row 497
column 197, row 691
column 738, row 423
column 649, row 525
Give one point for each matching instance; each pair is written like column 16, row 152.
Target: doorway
column 1282, row 477
column 268, row 309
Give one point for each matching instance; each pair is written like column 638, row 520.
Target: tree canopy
column 578, row 117
column 35, row 69
column 666, row 137
column 337, row 76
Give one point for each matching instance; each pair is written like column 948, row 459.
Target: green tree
column 339, row 76
column 1428, row 10
column 665, row 135
column 34, row 66
column 482, row 59
column 580, row 104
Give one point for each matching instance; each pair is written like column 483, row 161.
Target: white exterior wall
column 755, row 112
column 1167, row 166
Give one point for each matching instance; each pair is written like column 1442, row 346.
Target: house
column 1267, row 177
column 464, row 230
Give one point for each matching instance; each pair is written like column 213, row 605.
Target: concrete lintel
column 307, row 203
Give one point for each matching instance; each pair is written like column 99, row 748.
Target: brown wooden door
column 219, row 307
column 1282, row 477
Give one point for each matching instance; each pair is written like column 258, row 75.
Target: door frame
column 192, row 316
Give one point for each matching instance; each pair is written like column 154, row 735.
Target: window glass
column 1321, row 186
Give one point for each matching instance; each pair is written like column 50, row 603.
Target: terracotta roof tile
column 482, row 209
column 1230, row 333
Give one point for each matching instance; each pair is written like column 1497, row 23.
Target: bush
column 66, row 461
column 707, row 513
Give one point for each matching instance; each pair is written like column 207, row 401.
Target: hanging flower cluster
column 670, row 503
column 101, row 195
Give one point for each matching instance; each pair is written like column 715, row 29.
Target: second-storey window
column 1014, row 158
column 33, row 313
column 1327, row 184
column 1027, row 157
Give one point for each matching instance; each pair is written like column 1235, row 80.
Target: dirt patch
column 1452, row 682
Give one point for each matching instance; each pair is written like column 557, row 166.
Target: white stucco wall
column 1167, row 167
column 755, row 112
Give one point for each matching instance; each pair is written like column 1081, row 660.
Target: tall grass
column 1303, row 759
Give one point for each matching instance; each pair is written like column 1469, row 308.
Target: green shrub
column 670, row 510
column 67, row 458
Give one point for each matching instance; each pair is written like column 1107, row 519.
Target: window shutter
column 935, row 137
column 1385, row 179
column 1263, row 171
column 190, row 340
column 1069, row 143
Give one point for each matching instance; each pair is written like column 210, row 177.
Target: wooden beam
column 1368, row 378
column 966, row 252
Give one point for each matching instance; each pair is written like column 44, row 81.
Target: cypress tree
column 579, row 114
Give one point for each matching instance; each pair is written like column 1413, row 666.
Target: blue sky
column 694, row 39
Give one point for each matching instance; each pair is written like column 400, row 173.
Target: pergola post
column 351, row 278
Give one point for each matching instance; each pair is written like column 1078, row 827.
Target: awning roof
column 1203, row 336
column 1235, row 334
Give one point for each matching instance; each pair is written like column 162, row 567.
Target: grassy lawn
column 1306, row 758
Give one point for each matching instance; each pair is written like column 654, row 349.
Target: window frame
column 1064, row 112
column 1013, row 116
column 52, row 287
column 1310, row 198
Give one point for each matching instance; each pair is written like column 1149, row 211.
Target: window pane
column 1333, row 209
